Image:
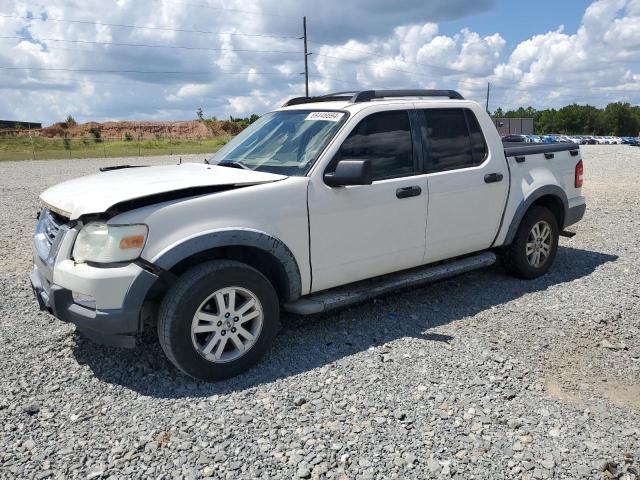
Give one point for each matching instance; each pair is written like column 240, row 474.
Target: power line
column 371, row 54
column 163, row 28
column 375, row 65
column 144, row 45
column 168, row 72
column 425, row 75
column 455, row 71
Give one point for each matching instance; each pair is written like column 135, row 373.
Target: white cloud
column 191, row 90
column 400, row 45
column 592, row 65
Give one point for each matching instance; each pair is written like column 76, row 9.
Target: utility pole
column 488, row 88
column 306, row 55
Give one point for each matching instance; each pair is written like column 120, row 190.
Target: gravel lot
column 481, row 376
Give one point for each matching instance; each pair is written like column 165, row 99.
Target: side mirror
column 350, row 172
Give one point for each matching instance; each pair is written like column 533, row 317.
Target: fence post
column 104, row 148
column 33, row 148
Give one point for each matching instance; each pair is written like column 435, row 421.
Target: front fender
column 236, row 237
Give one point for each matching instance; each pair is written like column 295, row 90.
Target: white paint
column 356, row 232
column 96, row 193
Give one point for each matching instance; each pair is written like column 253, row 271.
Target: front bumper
column 115, row 327
column 115, row 314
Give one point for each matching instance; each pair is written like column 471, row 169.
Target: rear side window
column 384, row 138
column 452, row 139
column 478, row 145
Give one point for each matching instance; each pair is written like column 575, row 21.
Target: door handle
column 406, row 192
column 492, row 177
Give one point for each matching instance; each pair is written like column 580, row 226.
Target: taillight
column 579, row 174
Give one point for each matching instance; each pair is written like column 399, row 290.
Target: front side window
column 452, row 139
column 285, row 142
column 384, row 138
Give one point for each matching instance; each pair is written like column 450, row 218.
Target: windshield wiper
column 232, row 164
column 118, row 167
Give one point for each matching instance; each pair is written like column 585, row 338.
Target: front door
column 363, row 231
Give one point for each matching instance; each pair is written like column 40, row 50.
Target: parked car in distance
column 576, row 139
column 317, row 205
column 534, row 138
column 514, row 138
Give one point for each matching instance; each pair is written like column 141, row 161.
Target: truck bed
column 516, row 149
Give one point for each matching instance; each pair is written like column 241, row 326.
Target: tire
column 202, row 290
column 516, row 259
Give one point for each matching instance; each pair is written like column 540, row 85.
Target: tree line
column 619, row 119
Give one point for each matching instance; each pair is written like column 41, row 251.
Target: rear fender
column 523, row 207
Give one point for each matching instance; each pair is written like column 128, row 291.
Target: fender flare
column 235, row 237
column 553, row 190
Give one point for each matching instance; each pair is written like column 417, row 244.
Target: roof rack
column 368, row 95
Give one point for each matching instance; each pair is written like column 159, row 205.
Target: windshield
column 285, row 142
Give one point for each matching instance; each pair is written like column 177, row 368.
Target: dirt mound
column 134, row 130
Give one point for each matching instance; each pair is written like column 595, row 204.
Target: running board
column 361, row 291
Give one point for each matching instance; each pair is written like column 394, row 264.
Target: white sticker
column 327, row 116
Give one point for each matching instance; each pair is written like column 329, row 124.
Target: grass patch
column 21, row 148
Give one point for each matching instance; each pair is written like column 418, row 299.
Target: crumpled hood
column 97, row 193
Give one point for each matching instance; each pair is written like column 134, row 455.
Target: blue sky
column 517, row 20
column 163, row 59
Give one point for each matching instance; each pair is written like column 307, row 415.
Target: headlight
column 102, row 243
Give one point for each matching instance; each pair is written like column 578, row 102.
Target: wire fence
column 41, row 148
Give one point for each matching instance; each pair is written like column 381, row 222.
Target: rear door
column 363, row 231
column 468, row 184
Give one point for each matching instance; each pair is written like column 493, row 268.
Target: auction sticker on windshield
column 327, row 116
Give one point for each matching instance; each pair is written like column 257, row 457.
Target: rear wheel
column 218, row 319
column 534, row 247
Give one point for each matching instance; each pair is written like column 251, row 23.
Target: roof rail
column 368, row 95
column 331, row 97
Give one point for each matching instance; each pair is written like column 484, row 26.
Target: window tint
column 478, row 145
column 452, row 139
column 385, row 139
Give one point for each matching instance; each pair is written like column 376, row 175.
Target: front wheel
column 534, row 247
column 218, row 319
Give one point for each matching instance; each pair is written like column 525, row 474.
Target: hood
column 97, row 193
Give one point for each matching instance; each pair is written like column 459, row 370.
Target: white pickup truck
column 320, row 204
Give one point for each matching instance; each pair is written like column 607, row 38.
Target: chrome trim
column 48, row 235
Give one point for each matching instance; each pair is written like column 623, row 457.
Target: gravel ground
column 481, row 376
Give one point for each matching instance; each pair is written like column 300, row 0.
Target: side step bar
column 361, row 291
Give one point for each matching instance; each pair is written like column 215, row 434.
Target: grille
column 47, row 230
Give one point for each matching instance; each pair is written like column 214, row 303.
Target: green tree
column 200, row 114
column 621, row 119
column 70, row 121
